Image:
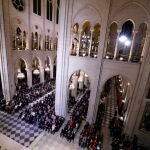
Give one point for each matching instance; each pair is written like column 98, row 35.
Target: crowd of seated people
column 1, row 94
column 77, row 116
column 127, row 143
column 119, row 139
column 91, row 137
column 2, row 104
column 24, row 97
column 35, row 79
column 21, row 85
column 43, row 115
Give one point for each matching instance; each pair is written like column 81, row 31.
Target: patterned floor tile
column 17, row 129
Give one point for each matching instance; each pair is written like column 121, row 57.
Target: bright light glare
column 107, row 57
column 121, row 58
column 127, row 43
column 122, row 38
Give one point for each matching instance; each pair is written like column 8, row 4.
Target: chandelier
column 36, row 72
column 47, row 69
column 20, row 75
column 71, row 86
column 80, row 79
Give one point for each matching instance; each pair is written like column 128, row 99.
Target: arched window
column 124, row 43
column 95, row 40
column 20, row 39
column 36, row 41
column 37, row 7
column 111, row 44
column 49, row 10
column 47, row 42
column 139, row 43
column 47, row 69
column 24, row 40
column 57, row 13
column 21, row 74
column 35, row 71
column 75, row 39
column 85, row 39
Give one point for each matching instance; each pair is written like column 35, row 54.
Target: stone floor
column 15, row 134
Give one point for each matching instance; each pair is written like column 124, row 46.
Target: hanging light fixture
column 20, row 75
column 71, row 86
column 47, row 69
column 80, row 79
column 36, row 72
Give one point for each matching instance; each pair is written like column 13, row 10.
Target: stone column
column 132, row 44
column 146, row 42
column 90, row 43
column 62, row 57
column 78, row 47
column 29, row 77
column 74, row 91
column 51, row 72
column 86, row 80
column 75, row 83
column 4, row 68
column 41, row 74
column 117, row 41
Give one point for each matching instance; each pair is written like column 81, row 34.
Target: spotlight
column 121, row 118
column 122, row 38
column 127, row 43
column 83, row 54
column 95, row 55
column 121, row 58
column 107, row 57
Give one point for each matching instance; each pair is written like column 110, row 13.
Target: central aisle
column 111, row 106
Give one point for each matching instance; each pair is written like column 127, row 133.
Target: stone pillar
column 6, row 84
column 75, row 83
column 145, row 44
column 86, row 80
column 41, row 74
column 29, row 77
column 116, row 47
column 132, row 44
column 62, row 57
column 90, row 43
column 51, row 72
column 135, row 104
column 81, row 85
column 78, row 47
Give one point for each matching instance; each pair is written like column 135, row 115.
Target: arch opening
column 95, row 40
column 112, row 39
column 78, row 86
column 20, row 37
column 125, row 41
column 21, row 75
column 85, row 39
column 114, row 102
column 139, row 43
column 47, row 69
column 35, row 71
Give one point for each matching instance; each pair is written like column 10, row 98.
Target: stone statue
column 75, row 39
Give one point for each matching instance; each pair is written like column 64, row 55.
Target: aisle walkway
column 111, row 106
